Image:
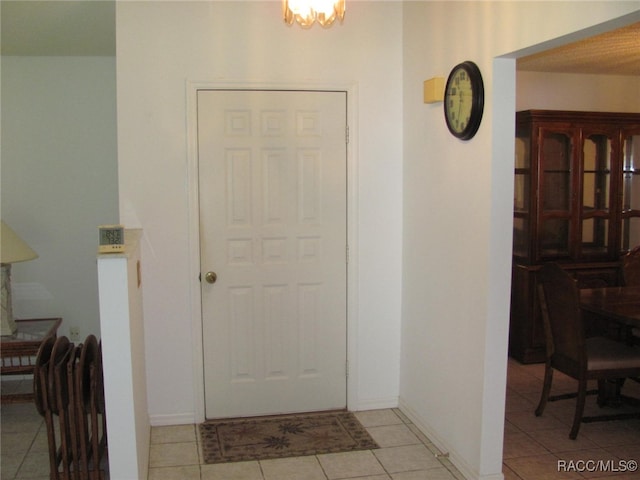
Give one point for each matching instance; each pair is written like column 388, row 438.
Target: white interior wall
column 569, row 91
column 457, row 218
column 161, row 47
column 59, row 180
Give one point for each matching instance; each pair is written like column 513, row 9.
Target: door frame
column 195, row 301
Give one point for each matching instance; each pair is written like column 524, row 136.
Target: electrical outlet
column 74, row 334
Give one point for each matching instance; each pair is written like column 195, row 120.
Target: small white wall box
column 434, row 90
column 111, row 239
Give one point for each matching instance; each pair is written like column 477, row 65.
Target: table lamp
column 12, row 250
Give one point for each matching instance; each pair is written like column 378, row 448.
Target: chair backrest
column 560, row 305
column 41, row 374
column 631, row 267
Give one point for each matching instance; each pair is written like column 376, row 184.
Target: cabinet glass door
column 556, row 192
column 631, row 191
column 522, row 194
column 595, row 213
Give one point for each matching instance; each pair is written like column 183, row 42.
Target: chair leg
column 577, row 418
column 546, row 389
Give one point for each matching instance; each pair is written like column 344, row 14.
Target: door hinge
column 346, row 368
column 347, row 254
column 346, row 135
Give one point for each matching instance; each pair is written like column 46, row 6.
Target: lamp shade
column 12, row 248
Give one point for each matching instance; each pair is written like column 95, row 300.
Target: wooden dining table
column 620, row 304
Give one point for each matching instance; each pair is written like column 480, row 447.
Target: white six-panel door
column 272, row 184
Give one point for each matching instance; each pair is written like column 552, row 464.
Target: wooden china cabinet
column 576, row 202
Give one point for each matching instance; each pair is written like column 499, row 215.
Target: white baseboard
column 169, row 420
column 377, row 403
column 456, row 459
column 189, row 418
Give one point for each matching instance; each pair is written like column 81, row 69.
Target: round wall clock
column 464, row 100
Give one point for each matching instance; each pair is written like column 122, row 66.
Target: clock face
column 464, row 100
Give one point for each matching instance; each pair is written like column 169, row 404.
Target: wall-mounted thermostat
column 111, row 239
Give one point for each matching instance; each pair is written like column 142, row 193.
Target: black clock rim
column 477, row 105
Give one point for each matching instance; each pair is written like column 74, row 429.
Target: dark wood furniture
column 620, row 304
column 576, row 202
column 631, row 275
column 631, row 267
column 69, row 394
column 20, row 349
column 570, row 352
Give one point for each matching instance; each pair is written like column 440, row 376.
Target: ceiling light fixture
column 306, row 12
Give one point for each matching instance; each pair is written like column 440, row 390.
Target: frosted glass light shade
column 306, row 12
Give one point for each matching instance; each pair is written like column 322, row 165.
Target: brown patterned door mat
column 260, row 438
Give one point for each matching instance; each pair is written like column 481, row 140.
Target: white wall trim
column 192, row 88
column 443, row 447
column 169, row 420
column 376, row 404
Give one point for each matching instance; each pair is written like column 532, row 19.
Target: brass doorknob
column 211, row 277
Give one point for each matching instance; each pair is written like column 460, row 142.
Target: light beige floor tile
column 231, row 471
column 173, row 455
column 16, row 443
column 515, row 402
column 611, row 434
column 626, row 452
column 540, row 467
column 421, row 436
column 191, row 472
column 401, row 415
column 620, row 476
column 431, row 474
column 372, row 477
column 601, row 463
column 9, row 463
column 510, row 427
column 527, row 421
column 406, row 458
column 376, row 418
column 296, row 468
column 393, row 435
column 34, row 465
column 558, row 441
column 451, row 468
column 523, row 382
column 41, row 441
column 173, row 434
column 350, row 464
column 527, row 456
column 26, row 419
column 519, row 444
column 509, row 474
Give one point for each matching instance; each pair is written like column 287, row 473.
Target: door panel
column 272, row 182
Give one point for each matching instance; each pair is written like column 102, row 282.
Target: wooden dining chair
column 570, row 352
column 631, row 267
column 52, row 355
column 631, row 276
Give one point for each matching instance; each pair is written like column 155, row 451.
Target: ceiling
column 58, row 28
column 611, row 53
column 44, row 27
